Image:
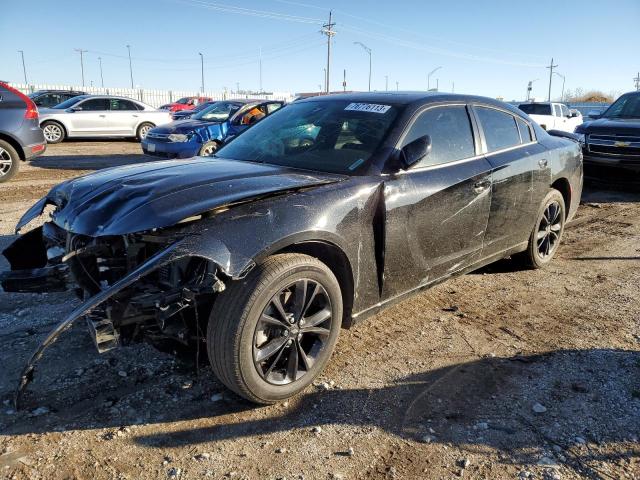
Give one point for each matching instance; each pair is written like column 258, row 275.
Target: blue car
column 207, row 130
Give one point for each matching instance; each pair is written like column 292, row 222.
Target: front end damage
column 135, row 287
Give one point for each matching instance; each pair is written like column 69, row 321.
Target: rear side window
column 536, row 108
column 525, row 131
column 450, row 132
column 95, row 104
column 118, row 104
column 500, row 129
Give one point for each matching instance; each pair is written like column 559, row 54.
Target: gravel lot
column 498, row 374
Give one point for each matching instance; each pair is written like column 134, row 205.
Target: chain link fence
column 155, row 98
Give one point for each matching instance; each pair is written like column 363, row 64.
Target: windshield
column 329, row 136
column 68, row 103
column 627, row 106
column 536, row 108
column 217, row 112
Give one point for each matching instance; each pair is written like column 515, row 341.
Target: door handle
column 481, row 186
column 543, row 163
column 103, row 116
column 136, row 116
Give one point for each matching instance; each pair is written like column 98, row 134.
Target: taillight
column 32, row 110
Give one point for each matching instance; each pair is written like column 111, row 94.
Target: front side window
column 565, row 110
column 272, row 107
column 500, row 129
column 330, row 136
column 95, row 104
column 450, row 132
column 536, row 108
column 627, row 106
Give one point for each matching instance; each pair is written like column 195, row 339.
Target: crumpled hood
column 141, row 197
column 182, row 126
column 610, row 126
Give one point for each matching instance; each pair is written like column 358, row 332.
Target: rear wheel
column 547, row 233
column 143, row 129
column 53, row 132
column 9, row 161
column 272, row 333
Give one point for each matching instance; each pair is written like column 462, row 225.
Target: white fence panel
column 155, row 98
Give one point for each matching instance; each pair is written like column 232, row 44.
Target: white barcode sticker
column 368, row 107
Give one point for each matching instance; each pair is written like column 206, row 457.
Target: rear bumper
column 34, row 150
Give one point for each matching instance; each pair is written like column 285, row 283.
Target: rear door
column 89, row 117
column 123, row 118
column 510, row 147
column 437, row 211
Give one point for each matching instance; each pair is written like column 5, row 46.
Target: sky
column 490, row 48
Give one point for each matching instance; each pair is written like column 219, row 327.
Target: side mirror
column 594, row 114
column 415, row 151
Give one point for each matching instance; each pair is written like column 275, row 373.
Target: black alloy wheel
column 292, row 331
column 549, row 230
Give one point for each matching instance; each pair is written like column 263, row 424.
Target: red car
column 185, row 103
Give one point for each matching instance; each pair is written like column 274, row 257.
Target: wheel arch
column 59, row 122
column 337, row 261
column 14, row 143
column 564, row 187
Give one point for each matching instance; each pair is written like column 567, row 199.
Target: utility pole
column 260, row 69
column 453, row 87
column 429, row 77
column 324, row 81
column 81, row 51
column 397, row 85
column 130, row 67
column 386, row 83
column 101, row 78
column 563, row 79
column 637, row 81
column 344, row 80
column 368, row 50
column 437, row 84
column 24, row 69
column 327, row 30
column 238, row 88
column 550, row 67
column 201, row 72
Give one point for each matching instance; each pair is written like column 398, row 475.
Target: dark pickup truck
column 611, row 140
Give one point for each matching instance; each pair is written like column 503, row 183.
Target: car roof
column 109, row 97
column 404, row 98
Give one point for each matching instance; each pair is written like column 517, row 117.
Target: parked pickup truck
column 611, row 140
column 552, row 116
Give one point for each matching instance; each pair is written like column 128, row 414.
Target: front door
column 89, row 117
column 436, row 212
column 124, row 117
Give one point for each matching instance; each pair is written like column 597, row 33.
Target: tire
column 143, row 129
column 54, row 132
column 545, row 236
column 9, row 161
column 208, row 149
column 240, row 335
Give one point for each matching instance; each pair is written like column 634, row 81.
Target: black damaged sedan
column 318, row 216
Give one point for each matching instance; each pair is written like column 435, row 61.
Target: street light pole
column 260, row 69
column 386, row 83
column 563, row 79
column 530, row 88
column 130, row 67
column 81, row 51
column 101, row 77
column 429, row 76
column 24, row 69
column 201, row 71
column 550, row 67
column 368, row 50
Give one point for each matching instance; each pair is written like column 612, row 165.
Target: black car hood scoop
column 141, row 197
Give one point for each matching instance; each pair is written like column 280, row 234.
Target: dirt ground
column 502, row 373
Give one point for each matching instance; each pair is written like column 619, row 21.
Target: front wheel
column 545, row 236
column 208, row 149
column 270, row 334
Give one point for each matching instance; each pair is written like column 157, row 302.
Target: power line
column 251, row 12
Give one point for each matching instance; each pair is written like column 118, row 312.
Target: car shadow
column 587, row 396
column 89, row 162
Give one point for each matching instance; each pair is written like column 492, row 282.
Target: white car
column 100, row 116
column 552, row 116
